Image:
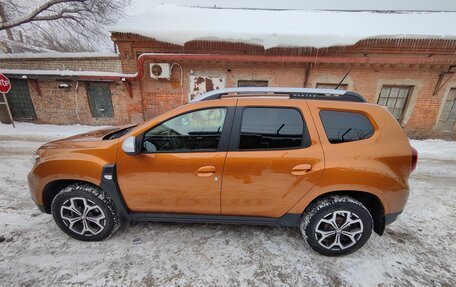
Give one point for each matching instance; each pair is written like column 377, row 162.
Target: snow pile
column 285, row 28
column 62, row 73
column 45, row 131
column 58, row 55
column 435, row 149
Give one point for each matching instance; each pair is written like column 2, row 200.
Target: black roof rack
column 294, row 93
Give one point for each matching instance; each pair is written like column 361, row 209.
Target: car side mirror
column 130, row 146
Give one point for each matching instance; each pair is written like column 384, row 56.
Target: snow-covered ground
column 417, row 250
column 36, row 133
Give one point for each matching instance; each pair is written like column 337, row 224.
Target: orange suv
column 321, row 160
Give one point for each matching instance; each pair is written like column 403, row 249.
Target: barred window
column 447, row 120
column 395, row 98
column 100, row 100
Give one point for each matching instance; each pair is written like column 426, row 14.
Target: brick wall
column 71, row 105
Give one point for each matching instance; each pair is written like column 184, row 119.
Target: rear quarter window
column 341, row 127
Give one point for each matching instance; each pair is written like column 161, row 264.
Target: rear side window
column 343, row 127
column 271, row 128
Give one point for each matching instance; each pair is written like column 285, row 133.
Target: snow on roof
column 61, row 73
column 285, row 28
column 58, row 55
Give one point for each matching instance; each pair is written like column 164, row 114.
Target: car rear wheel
column 85, row 212
column 336, row 225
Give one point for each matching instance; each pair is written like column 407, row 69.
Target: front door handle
column 301, row 169
column 206, row 170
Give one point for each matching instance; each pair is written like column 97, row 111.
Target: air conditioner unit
column 160, row 70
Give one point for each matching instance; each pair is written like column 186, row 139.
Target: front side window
column 343, row 127
column 194, row 131
column 271, row 128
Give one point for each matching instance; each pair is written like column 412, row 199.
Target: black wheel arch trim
column 109, row 185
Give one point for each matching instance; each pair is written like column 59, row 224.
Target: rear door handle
column 207, row 170
column 301, row 169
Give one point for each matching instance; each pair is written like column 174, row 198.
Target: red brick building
column 415, row 80
column 413, row 77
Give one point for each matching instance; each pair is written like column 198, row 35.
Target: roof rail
column 294, row 93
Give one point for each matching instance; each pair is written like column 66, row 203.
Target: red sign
column 5, row 84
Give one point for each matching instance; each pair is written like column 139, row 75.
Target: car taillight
column 414, row 159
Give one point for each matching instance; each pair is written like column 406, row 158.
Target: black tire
column 320, row 218
column 99, row 223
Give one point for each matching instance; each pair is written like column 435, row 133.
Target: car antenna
column 340, row 83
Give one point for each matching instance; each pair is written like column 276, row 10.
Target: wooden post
column 5, row 102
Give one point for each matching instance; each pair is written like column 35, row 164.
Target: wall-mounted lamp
column 63, row 86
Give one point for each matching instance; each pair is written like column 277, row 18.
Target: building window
column 252, row 83
column 395, row 98
column 100, row 100
column 331, row 86
column 343, row 127
column 447, row 119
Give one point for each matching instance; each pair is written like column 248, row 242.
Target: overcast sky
column 420, row 5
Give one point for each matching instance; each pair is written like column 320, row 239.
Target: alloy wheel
column 339, row 230
column 83, row 216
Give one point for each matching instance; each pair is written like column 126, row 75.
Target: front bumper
column 34, row 188
column 390, row 218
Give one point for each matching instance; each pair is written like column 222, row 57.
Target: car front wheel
column 336, row 225
column 85, row 212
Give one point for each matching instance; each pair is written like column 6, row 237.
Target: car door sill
column 289, row 219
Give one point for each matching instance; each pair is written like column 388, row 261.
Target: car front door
column 180, row 167
column 274, row 158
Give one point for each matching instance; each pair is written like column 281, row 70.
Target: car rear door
column 274, row 157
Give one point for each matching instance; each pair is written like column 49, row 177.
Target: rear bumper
column 390, row 218
column 33, row 185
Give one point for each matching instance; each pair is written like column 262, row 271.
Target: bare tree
column 60, row 25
